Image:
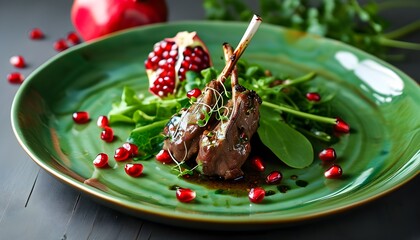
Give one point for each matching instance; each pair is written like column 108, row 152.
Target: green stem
column 160, row 124
column 400, row 32
column 390, row 5
column 298, row 113
column 301, row 79
column 399, row 44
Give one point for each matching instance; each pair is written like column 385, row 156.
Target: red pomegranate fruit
column 93, row 18
column 171, row 58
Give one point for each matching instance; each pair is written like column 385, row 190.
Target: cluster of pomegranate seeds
column 341, row 126
column 107, row 134
column 185, row 195
column 18, row 61
column 171, row 58
column 335, row 171
column 81, row 117
column 273, row 177
column 257, row 163
column 327, row 155
column 164, row 157
column 36, row 34
column 195, row 59
column 15, row 78
column 133, row 169
column 101, row 160
column 313, row 97
column 256, row 195
column 194, row 93
column 163, row 60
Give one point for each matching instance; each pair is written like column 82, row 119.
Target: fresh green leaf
column 289, row 145
column 149, row 138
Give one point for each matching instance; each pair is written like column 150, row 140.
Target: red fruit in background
column 171, row 58
column 133, row 169
column 96, row 18
column 36, row 34
column 18, row 61
column 15, row 78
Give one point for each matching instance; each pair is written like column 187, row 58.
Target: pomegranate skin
column 96, row 18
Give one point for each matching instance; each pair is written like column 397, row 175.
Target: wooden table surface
column 34, row 205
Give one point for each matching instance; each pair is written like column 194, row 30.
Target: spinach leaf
column 293, row 148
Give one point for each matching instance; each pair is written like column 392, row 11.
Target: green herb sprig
column 343, row 20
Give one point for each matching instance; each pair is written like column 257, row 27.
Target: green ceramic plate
column 379, row 102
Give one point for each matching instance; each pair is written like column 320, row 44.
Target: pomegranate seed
column 258, row 164
column 73, row 38
column 60, row 45
column 274, row 177
column 121, row 154
column 133, row 169
column 256, row 195
column 194, row 93
column 164, row 157
column 102, row 122
column 334, row 171
column 327, row 154
column 18, row 61
column 341, row 126
column 15, row 78
column 131, row 148
column 101, row 160
column 185, row 195
column 36, row 34
column 313, row 97
column 81, row 117
column 107, row 134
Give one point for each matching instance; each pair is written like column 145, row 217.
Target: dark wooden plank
column 90, row 220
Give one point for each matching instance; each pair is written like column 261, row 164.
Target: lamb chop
column 183, row 131
column 224, row 149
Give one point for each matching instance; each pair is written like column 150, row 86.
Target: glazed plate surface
column 381, row 104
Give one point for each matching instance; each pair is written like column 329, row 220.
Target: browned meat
column 183, row 131
column 224, row 149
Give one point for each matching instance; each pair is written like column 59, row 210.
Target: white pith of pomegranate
column 171, row 58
